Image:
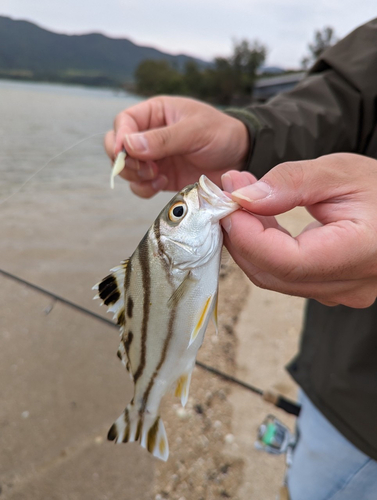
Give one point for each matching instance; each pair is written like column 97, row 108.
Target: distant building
column 265, row 88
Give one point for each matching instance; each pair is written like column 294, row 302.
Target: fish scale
column 163, row 297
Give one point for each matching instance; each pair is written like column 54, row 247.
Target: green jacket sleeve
column 333, row 109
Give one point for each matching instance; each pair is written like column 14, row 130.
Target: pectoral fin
column 182, row 289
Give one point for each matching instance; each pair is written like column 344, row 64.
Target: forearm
column 331, row 110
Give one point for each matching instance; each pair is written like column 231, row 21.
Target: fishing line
column 17, row 190
column 276, row 399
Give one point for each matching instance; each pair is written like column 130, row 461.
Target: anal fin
column 182, row 387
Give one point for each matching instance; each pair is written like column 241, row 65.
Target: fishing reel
column 274, row 437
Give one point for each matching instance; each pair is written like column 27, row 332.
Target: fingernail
column 254, row 192
column 137, row 142
column 227, row 183
column 226, row 222
column 159, row 183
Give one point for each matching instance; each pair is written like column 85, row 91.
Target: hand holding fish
column 334, row 260
column 171, row 141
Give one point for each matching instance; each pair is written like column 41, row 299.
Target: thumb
column 292, row 184
column 159, row 143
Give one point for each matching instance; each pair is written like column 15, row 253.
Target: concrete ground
column 59, row 386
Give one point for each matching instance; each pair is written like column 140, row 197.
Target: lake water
column 38, row 121
column 66, row 227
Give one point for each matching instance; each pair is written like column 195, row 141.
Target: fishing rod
column 271, row 397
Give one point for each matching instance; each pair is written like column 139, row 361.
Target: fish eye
column 177, row 211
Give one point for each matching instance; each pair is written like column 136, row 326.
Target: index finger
column 330, row 252
column 143, row 116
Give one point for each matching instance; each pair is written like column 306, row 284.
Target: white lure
column 118, row 166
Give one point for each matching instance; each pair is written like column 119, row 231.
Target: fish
column 162, row 298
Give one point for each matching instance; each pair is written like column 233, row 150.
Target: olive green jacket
column 334, row 109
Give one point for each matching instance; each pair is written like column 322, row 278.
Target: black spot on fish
column 108, row 290
column 111, row 299
column 119, row 354
column 108, row 282
column 113, row 433
column 130, row 307
column 121, row 320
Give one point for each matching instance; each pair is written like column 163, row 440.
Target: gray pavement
column 61, row 387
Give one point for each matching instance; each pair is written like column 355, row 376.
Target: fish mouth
column 210, row 194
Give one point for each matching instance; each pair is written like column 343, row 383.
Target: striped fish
column 162, row 298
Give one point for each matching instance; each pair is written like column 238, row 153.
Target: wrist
column 243, row 145
column 247, row 126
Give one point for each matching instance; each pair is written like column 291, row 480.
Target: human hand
column 171, row 141
column 334, row 260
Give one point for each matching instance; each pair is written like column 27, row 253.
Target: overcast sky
column 203, row 28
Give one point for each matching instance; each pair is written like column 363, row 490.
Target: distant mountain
column 30, row 52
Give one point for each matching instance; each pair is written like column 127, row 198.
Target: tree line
column 226, row 81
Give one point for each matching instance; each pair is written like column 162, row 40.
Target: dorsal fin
column 111, row 291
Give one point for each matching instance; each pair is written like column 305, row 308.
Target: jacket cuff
column 252, row 125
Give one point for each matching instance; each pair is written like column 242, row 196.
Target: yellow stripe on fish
column 162, row 298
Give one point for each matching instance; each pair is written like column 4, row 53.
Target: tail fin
column 148, row 430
